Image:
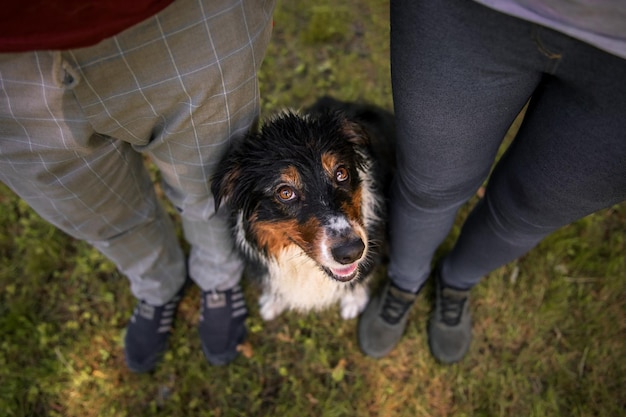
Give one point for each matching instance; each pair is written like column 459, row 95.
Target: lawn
column 549, row 332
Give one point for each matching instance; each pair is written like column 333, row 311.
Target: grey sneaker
column 450, row 324
column 383, row 322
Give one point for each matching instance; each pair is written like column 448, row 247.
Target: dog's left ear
column 355, row 133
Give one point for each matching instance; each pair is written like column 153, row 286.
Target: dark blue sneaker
column 222, row 324
column 147, row 333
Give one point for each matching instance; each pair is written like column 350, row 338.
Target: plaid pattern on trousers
column 178, row 87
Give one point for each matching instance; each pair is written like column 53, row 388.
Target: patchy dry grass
column 549, row 328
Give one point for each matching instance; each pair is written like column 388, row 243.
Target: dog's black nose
column 348, row 251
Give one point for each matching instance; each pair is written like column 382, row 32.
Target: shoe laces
column 452, row 306
column 215, row 300
column 394, row 307
column 164, row 314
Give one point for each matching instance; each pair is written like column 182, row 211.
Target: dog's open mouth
column 345, row 274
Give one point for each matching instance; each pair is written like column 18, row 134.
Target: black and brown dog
column 307, row 194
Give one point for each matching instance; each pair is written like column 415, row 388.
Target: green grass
column 549, row 328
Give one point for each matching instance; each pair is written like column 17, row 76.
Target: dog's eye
column 285, row 193
column 341, row 174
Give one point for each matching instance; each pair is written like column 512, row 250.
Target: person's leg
column 567, row 161
column 460, row 74
column 194, row 69
column 93, row 187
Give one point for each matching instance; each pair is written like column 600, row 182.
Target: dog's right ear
column 223, row 181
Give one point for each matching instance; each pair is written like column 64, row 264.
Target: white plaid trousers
column 178, row 87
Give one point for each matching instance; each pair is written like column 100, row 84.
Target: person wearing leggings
column 461, row 72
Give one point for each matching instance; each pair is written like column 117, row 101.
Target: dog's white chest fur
column 296, row 282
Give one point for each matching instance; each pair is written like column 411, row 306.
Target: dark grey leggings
column 461, row 73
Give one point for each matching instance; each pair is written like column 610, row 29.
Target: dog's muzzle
column 348, row 251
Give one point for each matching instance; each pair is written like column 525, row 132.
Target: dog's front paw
column 270, row 306
column 353, row 303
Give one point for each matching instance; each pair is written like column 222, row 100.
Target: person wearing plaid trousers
column 76, row 122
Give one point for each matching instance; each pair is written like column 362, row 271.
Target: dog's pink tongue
column 344, row 272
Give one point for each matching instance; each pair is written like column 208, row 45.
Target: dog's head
column 304, row 181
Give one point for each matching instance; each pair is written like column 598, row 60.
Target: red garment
column 27, row 25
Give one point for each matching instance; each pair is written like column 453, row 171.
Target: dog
column 307, row 194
